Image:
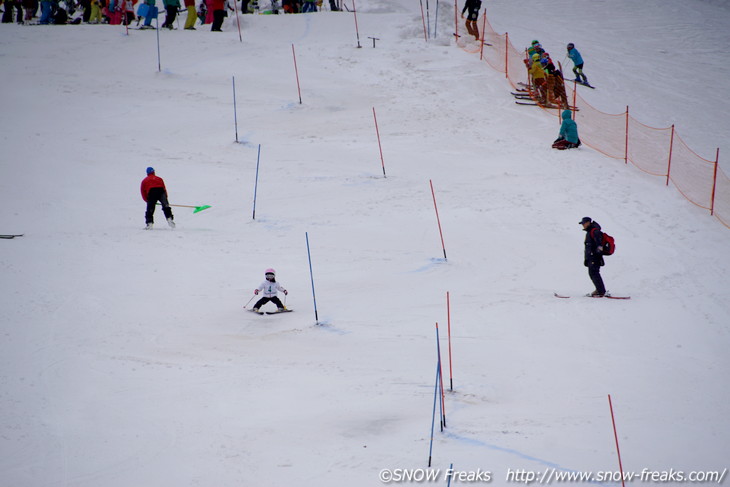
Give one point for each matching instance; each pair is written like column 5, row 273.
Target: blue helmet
column 150, row 170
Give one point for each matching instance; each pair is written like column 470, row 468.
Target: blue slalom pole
column 235, row 115
column 159, row 62
column 256, row 184
column 441, row 379
column 451, row 467
column 433, row 414
column 311, row 276
column 435, row 34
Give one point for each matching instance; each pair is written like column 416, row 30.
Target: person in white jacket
column 269, row 288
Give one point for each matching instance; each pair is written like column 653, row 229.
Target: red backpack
column 608, row 243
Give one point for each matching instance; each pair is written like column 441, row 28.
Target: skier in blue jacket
column 577, row 59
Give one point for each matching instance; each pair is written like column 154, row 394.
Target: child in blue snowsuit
column 577, row 59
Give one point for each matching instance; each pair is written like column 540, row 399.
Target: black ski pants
column 218, row 16
column 263, row 301
column 594, row 271
column 170, row 16
column 153, row 196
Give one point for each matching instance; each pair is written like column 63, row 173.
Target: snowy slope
column 128, row 359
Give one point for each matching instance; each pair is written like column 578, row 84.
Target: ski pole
column 244, row 306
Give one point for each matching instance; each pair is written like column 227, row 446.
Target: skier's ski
column 524, row 103
column 584, row 84
column 257, row 312
column 608, row 296
column 287, row 310
column 11, row 236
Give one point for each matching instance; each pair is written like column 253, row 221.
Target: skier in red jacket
column 153, row 190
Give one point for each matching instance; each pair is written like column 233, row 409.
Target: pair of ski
column 584, row 83
column 287, row 310
column 544, row 105
column 608, row 296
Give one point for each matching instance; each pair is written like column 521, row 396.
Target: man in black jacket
column 593, row 258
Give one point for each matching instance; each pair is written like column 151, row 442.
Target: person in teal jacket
column 577, row 59
column 568, row 137
column 171, row 7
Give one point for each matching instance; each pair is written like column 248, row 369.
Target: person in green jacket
column 171, row 7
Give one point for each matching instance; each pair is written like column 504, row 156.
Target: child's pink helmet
column 270, row 271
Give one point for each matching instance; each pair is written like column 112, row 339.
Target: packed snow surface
column 127, row 358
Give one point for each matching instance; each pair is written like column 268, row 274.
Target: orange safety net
column 655, row 151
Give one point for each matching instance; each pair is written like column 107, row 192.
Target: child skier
column 568, row 137
column 269, row 288
column 577, row 59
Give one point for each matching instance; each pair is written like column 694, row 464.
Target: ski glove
column 286, row 293
column 255, row 291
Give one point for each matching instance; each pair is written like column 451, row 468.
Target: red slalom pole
column 448, row 317
column 238, row 21
column 438, row 219
column 423, row 18
column 615, row 436
column 296, row 73
column 377, row 132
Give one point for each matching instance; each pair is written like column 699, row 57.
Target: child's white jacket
column 270, row 288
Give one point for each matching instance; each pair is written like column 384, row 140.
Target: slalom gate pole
column 357, row 30
column 506, row 55
column 451, row 467
column 423, row 19
column 244, row 306
column 714, row 182
column 615, row 436
column 235, row 115
column 456, row 23
column 438, row 219
column 441, row 379
column 626, row 145
column 433, row 414
column 256, row 183
column 296, row 73
column 436, row 22
column 377, row 132
column 126, row 19
column 311, row 276
column 484, row 31
column 428, row 18
column 238, row 21
column 159, row 62
column 448, row 317
column 671, row 148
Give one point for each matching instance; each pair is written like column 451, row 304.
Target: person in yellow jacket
column 538, row 76
column 95, row 17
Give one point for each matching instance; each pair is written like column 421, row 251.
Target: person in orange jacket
column 153, row 190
